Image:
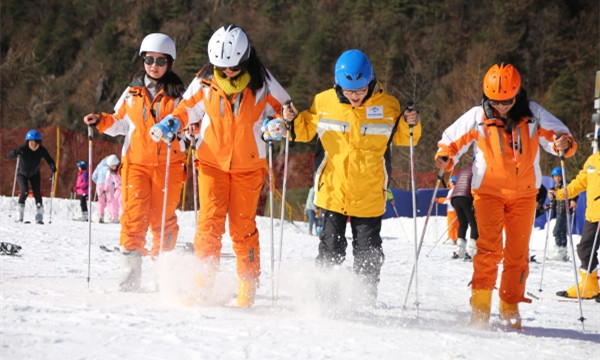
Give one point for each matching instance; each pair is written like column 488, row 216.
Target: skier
column 81, row 189
column 112, row 185
column 560, row 226
column 588, row 180
column 31, row 154
column 230, row 97
column 451, row 219
column 152, row 95
column 99, row 177
column 462, row 201
column 355, row 122
column 507, row 130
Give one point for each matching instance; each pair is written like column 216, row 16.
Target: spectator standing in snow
column 462, row 201
column 310, row 208
column 507, row 130
column 139, row 115
column 560, row 225
column 588, row 180
column 353, row 161
column 81, row 188
column 98, row 177
column 451, row 218
column 112, row 185
column 230, row 97
column 31, row 154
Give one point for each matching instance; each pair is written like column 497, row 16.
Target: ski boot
column 591, row 286
column 461, row 249
column 481, row 304
column 560, row 254
column 20, row 212
column 246, row 292
column 39, row 214
column 510, row 314
column 131, row 276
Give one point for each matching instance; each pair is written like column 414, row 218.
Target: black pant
column 366, row 244
column 584, row 248
column 466, row 216
column 83, row 203
column 24, row 186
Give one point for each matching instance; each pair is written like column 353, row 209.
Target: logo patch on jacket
column 374, row 112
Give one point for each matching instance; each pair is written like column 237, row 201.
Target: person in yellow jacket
column 587, row 180
column 230, row 97
column 355, row 122
column 507, row 130
column 152, row 95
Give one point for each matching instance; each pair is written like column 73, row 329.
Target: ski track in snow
column 49, row 310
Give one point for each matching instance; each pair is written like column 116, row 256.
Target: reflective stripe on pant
column 236, row 194
column 142, row 190
column 515, row 217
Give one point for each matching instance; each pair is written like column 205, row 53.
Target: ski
column 187, row 248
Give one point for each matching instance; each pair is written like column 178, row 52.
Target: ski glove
column 165, row 130
column 274, row 129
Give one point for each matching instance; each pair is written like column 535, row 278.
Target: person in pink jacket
column 81, row 188
column 112, row 187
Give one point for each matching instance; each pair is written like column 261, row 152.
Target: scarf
column 231, row 86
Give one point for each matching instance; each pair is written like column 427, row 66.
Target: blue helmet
column 353, row 70
column 453, row 179
column 33, row 135
column 557, row 171
column 82, row 164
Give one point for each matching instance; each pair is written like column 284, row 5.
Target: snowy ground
column 49, row 309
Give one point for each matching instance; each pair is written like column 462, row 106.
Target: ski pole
column 440, row 238
column 562, row 168
column 90, row 151
column 440, row 175
column 410, row 107
column 194, row 182
column 283, row 191
column 165, row 192
column 12, row 203
column 271, row 220
column 549, row 214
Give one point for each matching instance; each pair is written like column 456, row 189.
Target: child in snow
column 112, row 185
column 507, row 130
column 81, row 188
column 588, row 180
column 451, row 219
column 560, row 226
column 462, row 201
column 230, row 97
column 152, row 95
column 354, row 139
column 98, row 177
column 31, row 154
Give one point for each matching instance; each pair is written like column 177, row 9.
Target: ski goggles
column 502, row 102
column 160, row 61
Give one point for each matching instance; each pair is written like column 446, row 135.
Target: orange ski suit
column 143, row 168
column 231, row 158
column 506, row 178
column 451, row 218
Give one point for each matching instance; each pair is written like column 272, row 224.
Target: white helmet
column 160, row 43
column 229, row 46
column 112, row 160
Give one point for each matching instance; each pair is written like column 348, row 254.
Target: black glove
column 53, row 168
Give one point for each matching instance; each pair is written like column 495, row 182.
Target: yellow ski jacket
column 588, row 180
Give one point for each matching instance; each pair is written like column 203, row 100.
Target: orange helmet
column 501, row 82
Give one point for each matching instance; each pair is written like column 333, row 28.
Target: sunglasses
column 502, row 102
column 359, row 92
column 149, row 60
column 231, row 68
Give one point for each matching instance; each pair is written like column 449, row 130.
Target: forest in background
column 61, row 59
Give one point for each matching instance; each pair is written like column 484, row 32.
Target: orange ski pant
column 452, row 225
column 515, row 216
column 142, row 195
column 234, row 193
